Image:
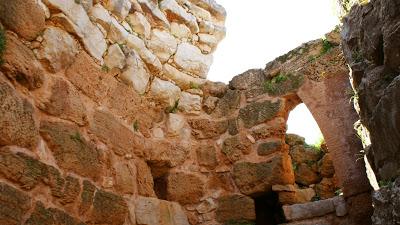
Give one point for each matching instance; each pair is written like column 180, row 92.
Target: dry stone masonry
column 106, row 117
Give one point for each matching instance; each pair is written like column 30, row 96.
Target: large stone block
column 189, row 58
column 256, row 178
column 71, row 150
column 259, row 112
column 17, row 122
column 26, row 18
column 49, row 216
column 108, row 208
column 205, row 128
column 14, row 205
column 236, row 208
column 184, row 188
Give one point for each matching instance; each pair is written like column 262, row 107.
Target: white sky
column 258, row 31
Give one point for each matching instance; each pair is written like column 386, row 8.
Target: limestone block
column 308, row 210
column 115, row 58
column 176, row 12
column 162, row 44
column 190, row 58
column 189, row 103
column 153, row 11
column 175, row 124
column 139, row 24
column 184, row 188
column 180, row 30
column 182, row 80
column 136, row 73
column 165, row 91
column 120, row 8
column 98, row 14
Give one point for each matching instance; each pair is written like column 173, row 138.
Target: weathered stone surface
column 117, row 32
column 294, row 139
column 152, row 10
column 101, row 16
column 17, row 123
column 139, row 24
column 125, row 174
column 115, row 57
column 303, row 154
column 163, row 44
column 269, row 147
column 190, row 58
column 326, row 188
column 254, row 178
column 235, row 147
column 209, row 27
column 213, row 7
column 120, row 8
column 181, row 79
column 175, row 124
column 205, row 128
column 113, row 132
column 163, row 155
column 78, row 22
column 87, row 196
column 326, row 168
column 209, row 104
column 20, row 64
column 305, row 175
column 259, row 112
column 184, row 188
column 176, row 12
column 308, row 210
column 165, row 91
column 136, row 73
column 152, row 211
column 14, row 205
column 190, row 104
column 235, row 208
column 296, row 196
column 108, row 208
column 21, row 169
column 71, row 150
column 26, row 18
column 206, row 155
column 387, row 204
column 228, row 104
column 144, row 178
column 180, row 30
column 247, row 80
column 58, row 49
column 49, row 216
column 63, row 101
column 88, row 77
column 215, row 89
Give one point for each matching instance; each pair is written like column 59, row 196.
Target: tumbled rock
column 235, row 208
column 305, row 175
column 176, row 12
column 190, row 104
column 190, row 58
column 108, row 208
column 259, row 112
column 180, row 30
column 294, row 139
column 136, row 73
column 184, row 188
column 163, row 44
column 254, row 178
column 304, row 154
column 20, row 64
column 71, row 150
column 14, row 205
column 206, row 155
column 63, row 101
column 153, row 11
column 166, row 92
column 58, row 49
column 46, row 216
column 150, row 211
column 326, row 188
column 115, row 57
column 205, row 128
column 181, row 79
column 325, row 166
column 120, row 8
column 139, row 24
column 17, row 123
column 113, row 132
column 26, row 18
column 79, row 23
column 269, row 147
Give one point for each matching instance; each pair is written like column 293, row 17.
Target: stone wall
column 106, row 117
column 371, row 46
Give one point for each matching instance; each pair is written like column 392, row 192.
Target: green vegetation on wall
column 283, row 83
column 2, row 44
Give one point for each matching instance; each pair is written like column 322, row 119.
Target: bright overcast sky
column 258, row 31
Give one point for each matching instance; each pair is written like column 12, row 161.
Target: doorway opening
column 268, row 209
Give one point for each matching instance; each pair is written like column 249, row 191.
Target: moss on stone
column 283, row 83
column 2, row 44
column 259, row 112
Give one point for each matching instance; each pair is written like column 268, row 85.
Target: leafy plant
column 385, row 183
column 2, row 44
column 357, row 56
column 326, row 46
column 282, row 83
column 174, row 108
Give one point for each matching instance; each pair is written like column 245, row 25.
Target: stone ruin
column 106, row 117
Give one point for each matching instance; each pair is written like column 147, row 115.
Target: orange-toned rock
column 71, row 149
column 235, row 147
column 236, row 208
column 326, row 188
column 26, row 18
column 17, row 122
column 108, row 208
column 144, row 178
column 206, row 155
column 205, row 128
column 305, row 175
column 42, row 215
column 184, row 188
column 14, row 205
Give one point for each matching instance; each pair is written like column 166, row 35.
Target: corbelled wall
column 106, row 117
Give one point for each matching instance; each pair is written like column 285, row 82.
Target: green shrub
column 135, row 125
column 326, row 46
column 174, row 108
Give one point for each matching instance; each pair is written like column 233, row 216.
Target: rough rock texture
column 386, row 204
